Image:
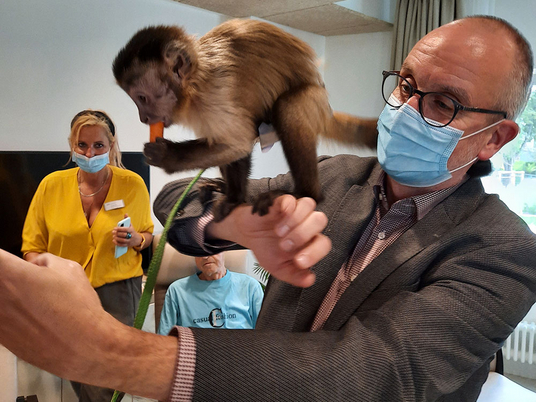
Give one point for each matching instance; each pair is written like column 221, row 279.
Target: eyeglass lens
column 437, row 109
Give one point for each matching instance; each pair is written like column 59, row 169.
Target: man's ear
column 503, row 134
column 179, row 57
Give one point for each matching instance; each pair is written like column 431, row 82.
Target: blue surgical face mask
column 91, row 165
column 414, row 153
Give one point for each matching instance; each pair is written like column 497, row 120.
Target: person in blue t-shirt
column 213, row 298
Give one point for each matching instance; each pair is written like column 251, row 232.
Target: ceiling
column 321, row 17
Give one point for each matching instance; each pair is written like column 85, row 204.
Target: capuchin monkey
column 223, row 86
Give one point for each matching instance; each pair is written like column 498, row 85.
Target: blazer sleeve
column 197, row 204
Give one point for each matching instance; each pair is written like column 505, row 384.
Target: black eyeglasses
column 436, row 109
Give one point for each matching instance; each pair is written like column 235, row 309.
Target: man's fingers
column 304, row 232
column 57, row 263
column 48, row 260
column 289, row 273
column 295, row 212
column 317, row 249
column 297, row 271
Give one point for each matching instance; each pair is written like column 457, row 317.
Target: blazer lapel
column 428, row 230
column 345, row 227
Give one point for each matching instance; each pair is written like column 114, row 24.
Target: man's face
column 470, row 64
column 210, row 266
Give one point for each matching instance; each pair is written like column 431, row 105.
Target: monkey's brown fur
column 222, row 86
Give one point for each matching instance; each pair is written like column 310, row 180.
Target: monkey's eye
column 142, row 98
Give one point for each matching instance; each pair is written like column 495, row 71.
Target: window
column 514, row 168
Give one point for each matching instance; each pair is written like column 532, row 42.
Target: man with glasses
column 426, row 277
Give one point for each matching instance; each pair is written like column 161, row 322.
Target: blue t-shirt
column 231, row 302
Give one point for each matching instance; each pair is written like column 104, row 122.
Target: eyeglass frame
column 457, row 106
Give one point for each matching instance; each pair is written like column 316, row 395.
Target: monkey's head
column 153, row 69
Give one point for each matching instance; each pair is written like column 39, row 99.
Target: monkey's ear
column 179, row 58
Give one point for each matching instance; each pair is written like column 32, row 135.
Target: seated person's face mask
column 414, row 153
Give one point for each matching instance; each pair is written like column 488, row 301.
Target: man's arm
column 51, row 317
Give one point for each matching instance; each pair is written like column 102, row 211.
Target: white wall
column 521, row 14
column 8, row 375
column 352, row 74
column 56, row 58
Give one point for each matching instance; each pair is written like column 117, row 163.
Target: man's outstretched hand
column 286, row 242
column 52, row 317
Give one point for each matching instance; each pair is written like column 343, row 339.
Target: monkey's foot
column 222, row 208
column 209, row 187
column 265, row 200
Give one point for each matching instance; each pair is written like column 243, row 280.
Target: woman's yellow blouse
column 55, row 223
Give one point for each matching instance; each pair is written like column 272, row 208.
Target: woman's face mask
column 414, row 153
column 91, row 165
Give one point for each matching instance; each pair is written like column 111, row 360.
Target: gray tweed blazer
column 420, row 323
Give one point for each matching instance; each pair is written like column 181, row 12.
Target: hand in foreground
column 286, row 242
column 52, row 318
column 33, row 303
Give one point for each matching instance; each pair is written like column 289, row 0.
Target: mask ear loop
column 462, row 166
column 482, row 129
column 470, row 135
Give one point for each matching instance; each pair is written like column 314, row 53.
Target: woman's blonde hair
column 96, row 118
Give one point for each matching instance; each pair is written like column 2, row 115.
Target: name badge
column 114, row 205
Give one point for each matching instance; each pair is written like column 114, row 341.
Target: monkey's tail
column 352, row 130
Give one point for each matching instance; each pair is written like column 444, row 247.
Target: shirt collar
column 423, row 203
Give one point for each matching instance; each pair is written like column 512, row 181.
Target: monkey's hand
column 160, row 153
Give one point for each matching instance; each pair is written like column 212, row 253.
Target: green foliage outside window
column 527, row 134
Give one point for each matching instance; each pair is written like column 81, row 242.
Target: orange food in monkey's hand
column 156, row 130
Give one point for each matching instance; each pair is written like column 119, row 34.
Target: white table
column 498, row 388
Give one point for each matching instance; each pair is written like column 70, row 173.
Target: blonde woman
column 74, row 214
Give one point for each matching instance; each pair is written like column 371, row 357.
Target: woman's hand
column 286, row 242
column 126, row 236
